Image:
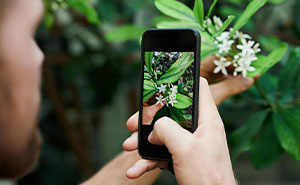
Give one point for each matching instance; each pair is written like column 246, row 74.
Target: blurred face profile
column 20, row 73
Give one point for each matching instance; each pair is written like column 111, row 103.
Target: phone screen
column 170, row 63
column 168, row 87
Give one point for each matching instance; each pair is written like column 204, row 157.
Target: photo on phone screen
column 168, row 87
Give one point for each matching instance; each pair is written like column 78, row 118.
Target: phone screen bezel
column 168, row 40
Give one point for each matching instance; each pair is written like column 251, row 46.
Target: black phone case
column 196, row 86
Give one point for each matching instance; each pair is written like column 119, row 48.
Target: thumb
column 230, row 87
column 167, row 132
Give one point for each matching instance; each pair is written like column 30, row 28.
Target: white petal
column 217, row 69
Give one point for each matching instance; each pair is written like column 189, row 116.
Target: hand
column 224, row 88
column 198, row 158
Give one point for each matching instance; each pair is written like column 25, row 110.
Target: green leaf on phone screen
column 148, row 61
column 183, row 101
column 252, row 7
column 149, row 89
column 177, row 69
column 175, row 9
column 177, row 115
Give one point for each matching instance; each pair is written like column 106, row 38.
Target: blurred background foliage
column 90, row 88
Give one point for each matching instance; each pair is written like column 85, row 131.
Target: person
column 20, row 77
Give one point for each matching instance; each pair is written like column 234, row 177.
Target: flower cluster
column 167, row 93
column 235, row 49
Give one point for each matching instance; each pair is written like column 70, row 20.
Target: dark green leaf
column 252, row 7
column 183, row 101
column 269, row 42
column 199, row 11
column 243, row 135
column 266, row 148
column 175, row 9
column 290, row 72
column 277, row 54
column 177, row 115
column 211, row 8
column 148, row 61
column 83, row 7
column 177, row 69
column 287, row 135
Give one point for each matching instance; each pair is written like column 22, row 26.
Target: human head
column 20, row 73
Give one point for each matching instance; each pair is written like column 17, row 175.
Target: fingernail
column 248, row 81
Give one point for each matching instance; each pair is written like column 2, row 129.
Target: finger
column 132, row 122
column 167, row 132
column 130, row 143
column 207, row 106
column 149, row 113
column 207, row 68
column 142, row 166
column 230, row 87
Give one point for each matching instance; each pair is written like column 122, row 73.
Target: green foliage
column 183, row 101
column 266, row 149
column 211, row 8
column 176, row 70
column 199, row 11
column 125, row 33
column 175, row 9
column 80, row 6
column 225, row 25
column 253, row 6
column 242, row 137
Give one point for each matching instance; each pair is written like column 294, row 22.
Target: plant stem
column 264, row 95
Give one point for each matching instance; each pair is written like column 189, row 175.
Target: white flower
column 156, row 53
column 218, row 22
column 241, row 35
column 173, row 89
column 162, row 88
column 172, row 100
column 221, row 65
column 256, row 48
column 160, row 100
column 153, row 61
column 225, row 46
column 223, row 36
column 244, row 67
column 246, row 47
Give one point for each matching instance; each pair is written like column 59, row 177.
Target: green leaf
column 125, row 33
column 242, row 136
column 269, row 42
column 286, row 133
column 149, row 89
column 276, row 1
column 177, row 69
column 177, row 115
column 178, row 24
column 183, row 101
column 199, row 11
column 175, row 9
column 148, row 61
column 83, row 7
column 211, row 8
column 290, row 72
column 252, row 7
column 48, row 19
column 225, row 25
column 266, row 148
column 277, row 54
column 206, row 53
column 260, row 65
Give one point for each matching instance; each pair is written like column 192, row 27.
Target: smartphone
column 170, row 65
